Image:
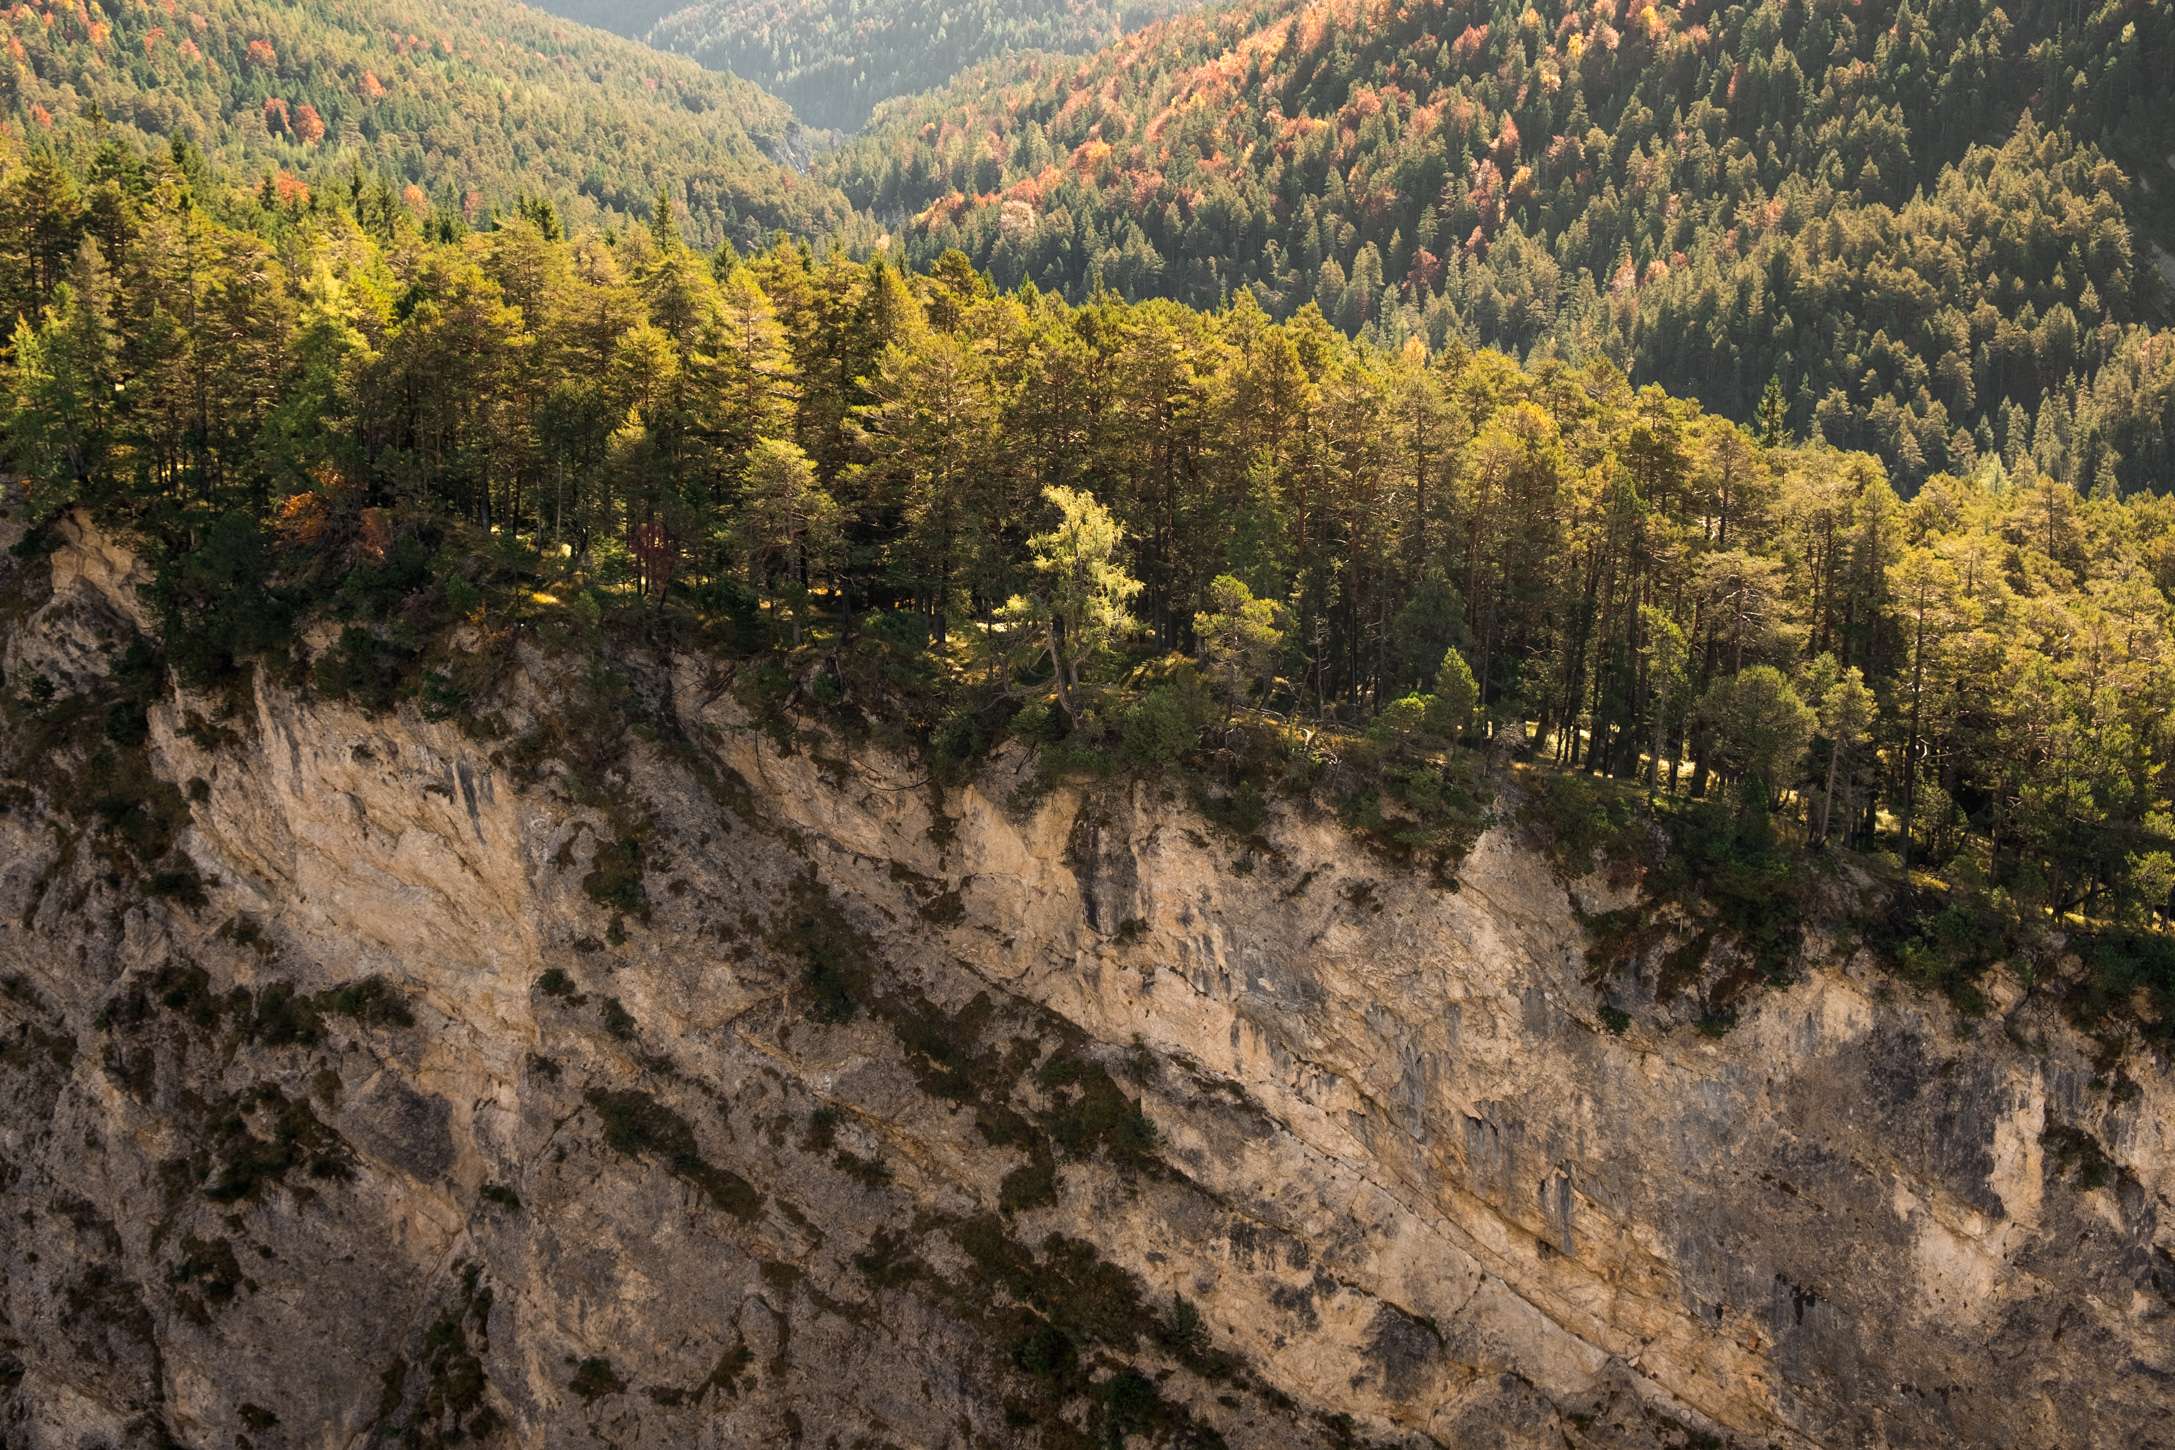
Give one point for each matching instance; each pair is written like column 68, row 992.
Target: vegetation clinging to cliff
column 1136, row 536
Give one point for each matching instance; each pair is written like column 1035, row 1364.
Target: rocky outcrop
column 748, row 1089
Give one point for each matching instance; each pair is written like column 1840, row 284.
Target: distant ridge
column 1931, row 224
column 472, row 102
column 837, row 60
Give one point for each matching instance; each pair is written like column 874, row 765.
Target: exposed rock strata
column 739, row 1174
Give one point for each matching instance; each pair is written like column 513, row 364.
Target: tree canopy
column 465, row 107
column 1924, row 231
column 1111, row 517
column 834, row 61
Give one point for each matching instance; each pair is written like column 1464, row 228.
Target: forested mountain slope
column 836, row 60
column 607, row 843
column 631, row 18
column 473, row 103
column 1017, row 495
column 1940, row 226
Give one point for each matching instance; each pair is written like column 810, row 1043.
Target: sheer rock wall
column 767, row 1167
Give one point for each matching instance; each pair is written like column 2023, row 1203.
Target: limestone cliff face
column 928, row 1117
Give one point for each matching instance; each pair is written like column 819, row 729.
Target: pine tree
column 1773, row 427
column 1081, row 592
column 788, row 528
column 66, row 387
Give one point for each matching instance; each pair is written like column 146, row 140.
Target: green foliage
column 969, row 731
column 1241, row 637
column 1045, row 1351
column 1743, row 899
column 1755, row 890
column 441, row 444
column 1444, row 808
column 216, row 607
column 616, row 1018
column 1586, row 823
column 2122, row 963
column 1759, row 732
column 1081, row 594
column 1163, row 724
column 475, row 104
column 1130, row 1403
column 207, row 1278
column 90, row 753
column 65, row 374
column 1430, row 625
column 834, row 61
column 281, row 1016
column 372, row 1001
column 1090, row 1113
column 835, row 970
column 788, row 524
column 1946, row 945
column 1406, row 724
column 1243, row 809
column 1766, row 207
column 363, row 668
column 2077, row 1156
column 1031, row 1185
column 127, row 725
column 1457, row 695
column 452, row 1408
column 1066, row 1301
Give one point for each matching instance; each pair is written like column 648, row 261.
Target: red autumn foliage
column 375, row 535
column 1506, row 144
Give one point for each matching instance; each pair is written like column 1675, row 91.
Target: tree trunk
column 1910, row 750
column 1653, row 762
column 1827, row 798
column 1057, row 674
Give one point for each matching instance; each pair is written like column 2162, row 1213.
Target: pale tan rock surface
column 1415, row 1190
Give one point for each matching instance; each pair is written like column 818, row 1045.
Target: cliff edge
column 365, row 1079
